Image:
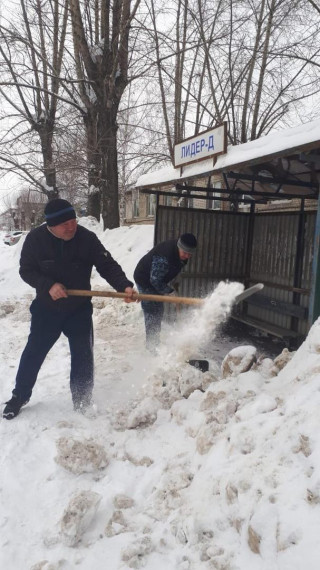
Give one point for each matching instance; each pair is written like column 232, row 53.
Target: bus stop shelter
column 276, row 247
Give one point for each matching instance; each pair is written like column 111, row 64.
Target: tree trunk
column 94, row 164
column 94, row 197
column 107, row 72
column 49, row 169
column 263, row 66
column 109, row 168
column 252, row 66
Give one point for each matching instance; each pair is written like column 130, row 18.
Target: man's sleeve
column 30, row 270
column 108, row 267
column 159, row 270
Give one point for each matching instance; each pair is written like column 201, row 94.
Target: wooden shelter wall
column 228, row 251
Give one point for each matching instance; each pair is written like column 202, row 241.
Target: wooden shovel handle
column 136, row 296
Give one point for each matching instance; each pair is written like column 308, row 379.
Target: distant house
column 7, row 222
column 139, row 208
column 29, row 210
column 141, row 205
column 25, row 214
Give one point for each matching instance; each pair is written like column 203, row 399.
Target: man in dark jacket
column 153, row 274
column 57, row 256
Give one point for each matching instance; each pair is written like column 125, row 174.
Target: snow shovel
column 202, row 365
column 159, row 298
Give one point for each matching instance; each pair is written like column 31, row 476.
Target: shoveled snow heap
column 178, row 469
column 194, row 330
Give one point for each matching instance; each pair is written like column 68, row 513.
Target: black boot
column 81, row 404
column 13, row 407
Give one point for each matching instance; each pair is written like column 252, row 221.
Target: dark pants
column 46, row 328
column 153, row 314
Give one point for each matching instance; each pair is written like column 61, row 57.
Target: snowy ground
column 177, row 470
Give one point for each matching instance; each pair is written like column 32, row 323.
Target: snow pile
column 178, row 469
column 80, row 456
column 238, row 360
column 78, row 516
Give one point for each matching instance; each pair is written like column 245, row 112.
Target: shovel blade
column 202, row 365
column 248, row 292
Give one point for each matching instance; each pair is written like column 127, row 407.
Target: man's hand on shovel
column 58, row 291
column 130, row 295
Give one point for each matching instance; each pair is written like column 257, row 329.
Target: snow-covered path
column 177, row 470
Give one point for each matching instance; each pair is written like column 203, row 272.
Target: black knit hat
column 187, row 242
column 58, row 211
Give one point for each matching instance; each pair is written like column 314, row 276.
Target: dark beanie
column 58, row 211
column 187, row 242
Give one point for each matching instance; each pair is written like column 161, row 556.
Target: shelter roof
column 284, row 162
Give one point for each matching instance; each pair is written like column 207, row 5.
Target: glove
column 176, row 286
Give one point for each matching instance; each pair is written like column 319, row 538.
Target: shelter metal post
column 156, row 220
column 249, row 244
column 314, row 306
column 298, row 270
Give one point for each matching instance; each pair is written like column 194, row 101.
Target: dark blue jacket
column 46, row 260
column 158, row 267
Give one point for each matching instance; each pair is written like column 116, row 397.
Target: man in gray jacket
column 153, row 274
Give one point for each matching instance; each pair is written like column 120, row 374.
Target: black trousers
column 46, row 328
column 153, row 315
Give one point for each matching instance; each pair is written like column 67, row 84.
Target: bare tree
column 32, row 49
column 315, row 5
column 252, row 63
column 101, row 44
column 190, row 63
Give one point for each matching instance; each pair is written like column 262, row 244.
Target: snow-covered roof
column 282, row 143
